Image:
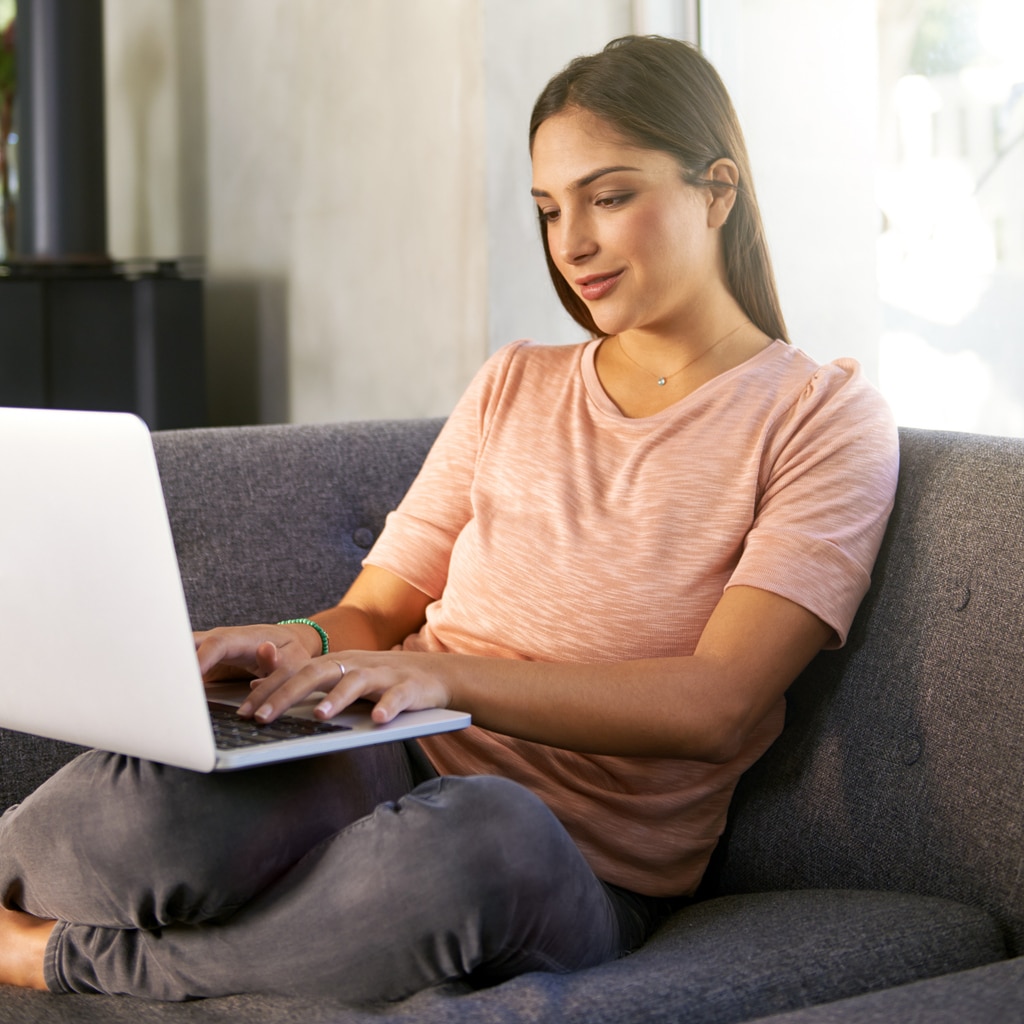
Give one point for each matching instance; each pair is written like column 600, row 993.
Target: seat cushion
column 980, row 996
column 741, row 957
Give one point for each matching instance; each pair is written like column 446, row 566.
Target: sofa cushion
column 983, row 995
column 900, row 764
column 730, row 959
column 738, row 958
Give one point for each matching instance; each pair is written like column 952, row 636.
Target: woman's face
column 624, row 229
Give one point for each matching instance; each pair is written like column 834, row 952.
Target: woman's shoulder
column 843, row 383
column 832, row 403
column 527, row 358
column 803, row 381
column 528, row 351
column 520, row 374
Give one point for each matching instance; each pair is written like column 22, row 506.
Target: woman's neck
column 644, row 372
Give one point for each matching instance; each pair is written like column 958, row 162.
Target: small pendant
column 661, row 382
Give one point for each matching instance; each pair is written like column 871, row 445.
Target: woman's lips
column 596, row 286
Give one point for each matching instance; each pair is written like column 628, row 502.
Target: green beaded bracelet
column 325, row 640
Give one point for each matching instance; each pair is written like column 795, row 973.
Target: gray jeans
column 353, row 875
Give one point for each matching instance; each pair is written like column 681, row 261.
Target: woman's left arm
column 700, row 707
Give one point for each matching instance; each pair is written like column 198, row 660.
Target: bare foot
column 23, row 941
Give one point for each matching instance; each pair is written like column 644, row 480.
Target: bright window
column 949, row 185
column 887, row 142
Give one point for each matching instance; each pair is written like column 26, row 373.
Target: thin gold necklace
column 663, row 379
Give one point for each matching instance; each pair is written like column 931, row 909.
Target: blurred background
column 349, row 181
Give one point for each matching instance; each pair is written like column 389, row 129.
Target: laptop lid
column 97, row 639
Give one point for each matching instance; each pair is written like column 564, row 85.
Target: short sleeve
column 418, row 537
column 829, row 474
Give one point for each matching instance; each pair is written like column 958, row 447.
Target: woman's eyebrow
column 587, row 179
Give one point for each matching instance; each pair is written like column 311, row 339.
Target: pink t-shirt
column 548, row 526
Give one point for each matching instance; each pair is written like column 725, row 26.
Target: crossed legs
column 338, row 876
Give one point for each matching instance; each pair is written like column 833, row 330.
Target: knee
column 508, row 880
column 498, row 833
column 76, row 801
column 109, row 810
column 484, row 806
column 76, row 839
column 108, row 802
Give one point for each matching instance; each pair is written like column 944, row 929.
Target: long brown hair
column 663, row 94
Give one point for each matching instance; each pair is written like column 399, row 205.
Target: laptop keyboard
column 231, row 732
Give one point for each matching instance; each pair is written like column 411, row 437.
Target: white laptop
column 97, row 643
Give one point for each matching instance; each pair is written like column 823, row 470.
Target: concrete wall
column 325, row 158
column 354, row 174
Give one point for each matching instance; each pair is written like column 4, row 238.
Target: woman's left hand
column 395, row 680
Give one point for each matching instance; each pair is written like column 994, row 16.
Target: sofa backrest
column 902, row 763
column 273, row 522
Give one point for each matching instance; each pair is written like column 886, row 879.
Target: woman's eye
column 611, row 202
column 548, row 216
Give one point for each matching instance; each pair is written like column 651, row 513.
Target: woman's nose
column 576, row 241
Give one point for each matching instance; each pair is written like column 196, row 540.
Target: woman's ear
column 723, row 173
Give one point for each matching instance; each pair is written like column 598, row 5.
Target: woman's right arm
column 379, row 611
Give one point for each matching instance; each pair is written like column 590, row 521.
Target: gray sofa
column 873, row 868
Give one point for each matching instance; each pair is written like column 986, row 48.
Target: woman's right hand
column 378, row 611
column 247, row 652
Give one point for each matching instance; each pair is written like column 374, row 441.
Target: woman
column 617, row 557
